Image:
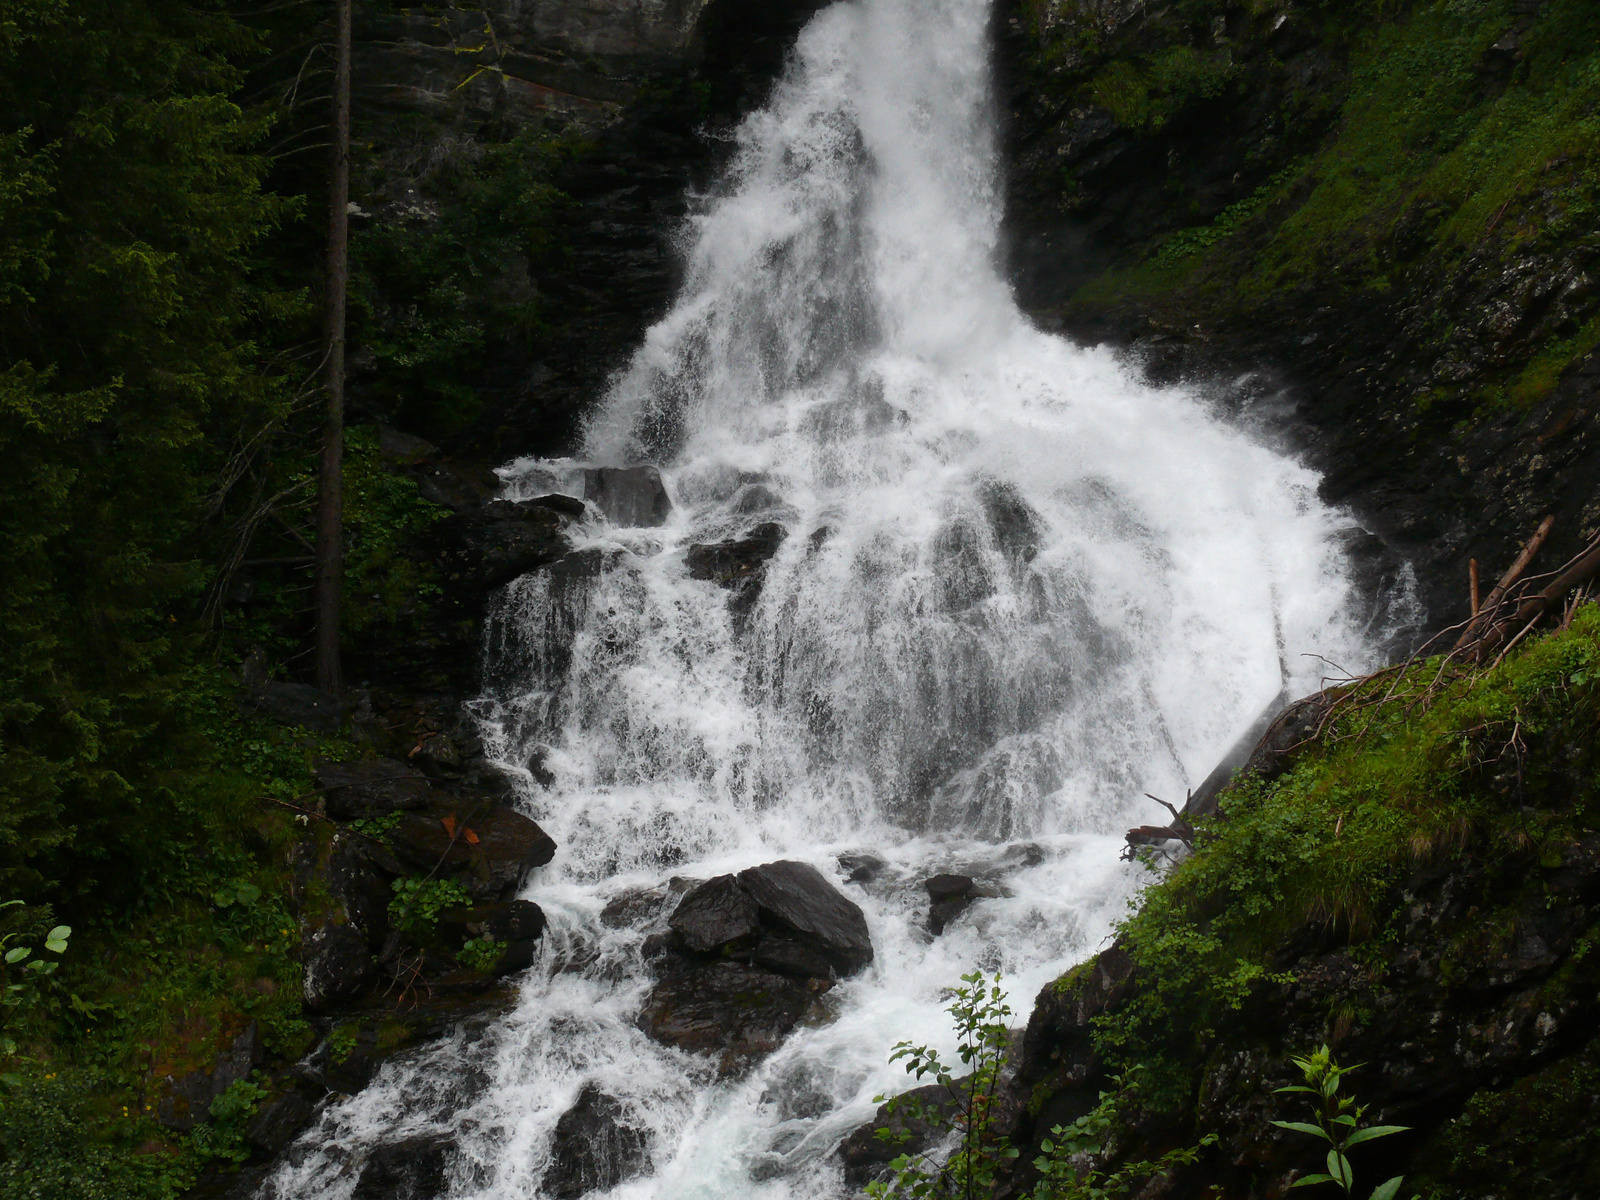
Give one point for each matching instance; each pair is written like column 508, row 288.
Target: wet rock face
column 489, row 849
column 486, row 547
column 747, row 956
column 411, row 1170
column 866, row 1156
column 338, row 965
column 784, row 915
column 715, row 915
column 800, row 908
column 737, row 560
column 949, row 896
column 737, row 1012
column 371, row 787
column 632, row 497
column 593, row 1149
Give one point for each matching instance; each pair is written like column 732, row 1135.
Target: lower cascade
column 858, row 693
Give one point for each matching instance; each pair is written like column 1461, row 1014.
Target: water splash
column 1019, row 588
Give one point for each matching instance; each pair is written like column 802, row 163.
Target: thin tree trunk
column 330, row 473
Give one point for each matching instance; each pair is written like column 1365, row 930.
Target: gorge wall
column 1387, row 207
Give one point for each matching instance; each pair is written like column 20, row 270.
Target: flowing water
column 1020, row 588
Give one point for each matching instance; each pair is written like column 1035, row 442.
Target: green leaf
column 1296, row 1088
column 1303, row 1127
column 17, row 954
column 248, row 893
column 222, row 898
column 1339, row 1168
column 1387, row 1189
column 1374, row 1131
column 59, row 934
column 1308, row 1180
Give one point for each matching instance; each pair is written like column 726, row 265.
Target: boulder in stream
column 743, row 1012
column 719, row 914
column 949, row 896
column 594, row 1149
column 737, row 560
column 784, row 916
column 410, row 1170
column 801, row 909
column 633, row 497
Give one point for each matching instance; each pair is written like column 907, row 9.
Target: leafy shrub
column 418, row 902
column 481, row 954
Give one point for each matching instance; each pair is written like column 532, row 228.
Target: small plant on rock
column 481, row 953
column 1066, row 1167
column 1338, row 1123
column 966, row 1107
column 417, row 903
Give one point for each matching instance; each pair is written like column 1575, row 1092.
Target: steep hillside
column 1389, row 206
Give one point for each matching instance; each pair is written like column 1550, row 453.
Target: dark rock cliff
column 522, row 172
column 1389, row 209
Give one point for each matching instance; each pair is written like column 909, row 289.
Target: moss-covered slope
column 1422, row 892
column 1395, row 203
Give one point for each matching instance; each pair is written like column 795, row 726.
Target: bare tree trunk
column 330, row 472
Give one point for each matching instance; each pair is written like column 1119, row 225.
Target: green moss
column 1387, row 789
column 1537, row 1137
column 1440, row 151
column 1539, row 378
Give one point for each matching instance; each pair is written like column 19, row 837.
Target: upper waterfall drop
column 1020, row 587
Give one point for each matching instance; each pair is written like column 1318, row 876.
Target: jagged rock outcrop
column 749, row 954
column 594, row 1148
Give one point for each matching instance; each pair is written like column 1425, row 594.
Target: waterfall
column 1018, row 588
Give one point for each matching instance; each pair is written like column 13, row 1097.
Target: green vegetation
column 1337, row 1124
column 1070, row 1167
column 1419, row 150
column 162, row 197
column 1389, row 787
column 965, row 1106
column 417, row 903
column 1064, row 1167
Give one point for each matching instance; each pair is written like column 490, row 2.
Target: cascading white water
column 1020, row 588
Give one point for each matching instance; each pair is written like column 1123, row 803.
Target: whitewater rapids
column 1020, row 589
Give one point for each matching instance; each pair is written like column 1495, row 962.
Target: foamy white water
column 1020, row 589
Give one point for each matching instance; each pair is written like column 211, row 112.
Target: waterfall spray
column 1017, row 588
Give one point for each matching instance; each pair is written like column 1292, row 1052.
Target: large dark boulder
column 279, row 1119
column 737, row 560
column 716, row 915
column 801, row 910
column 338, row 964
column 414, row 1169
column 593, row 1149
column 371, row 787
column 490, row 849
column 483, row 548
column 633, row 497
column 740, row 1011
column 784, row 916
